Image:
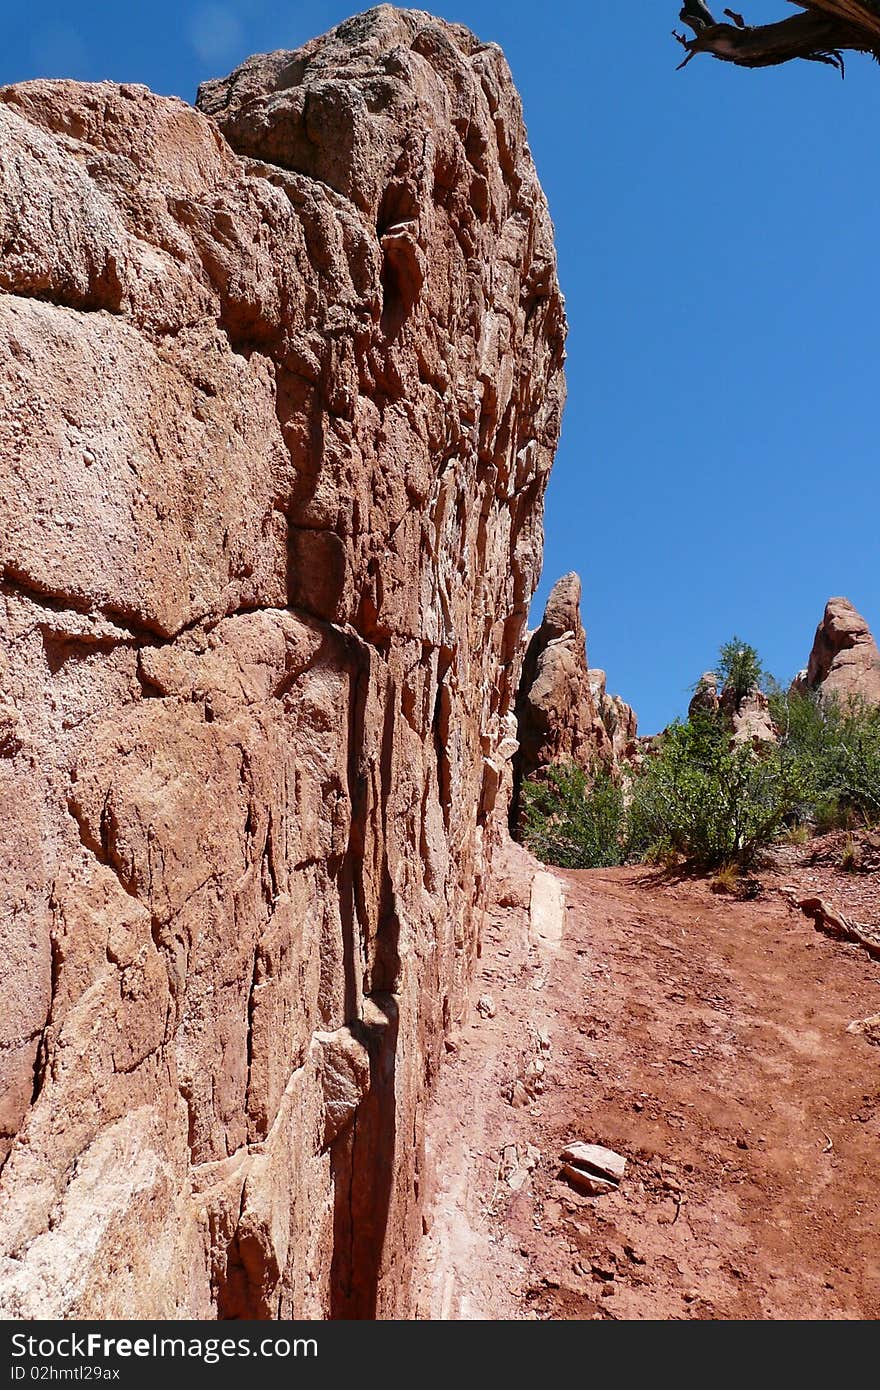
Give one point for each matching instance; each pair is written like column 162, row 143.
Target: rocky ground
column 706, row 1040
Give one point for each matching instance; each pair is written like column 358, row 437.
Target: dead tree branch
column 821, row 34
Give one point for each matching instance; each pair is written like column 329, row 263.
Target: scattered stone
column 517, row 1166
column 486, row 1006
column 868, row 1028
column 586, row 1182
column 596, row 1159
column 518, row 1096
column 534, row 1078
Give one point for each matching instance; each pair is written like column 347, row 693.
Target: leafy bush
column 740, row 669
column 573, row 823
column 854, row 763
column 830, row 814
column 714, row 801
column 837, row 746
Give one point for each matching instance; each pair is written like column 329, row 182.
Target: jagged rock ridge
column 281, row 385
column 563, row 710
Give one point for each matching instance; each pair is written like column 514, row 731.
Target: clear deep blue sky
column 718, row 235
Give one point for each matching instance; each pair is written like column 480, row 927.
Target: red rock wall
column 278, row 408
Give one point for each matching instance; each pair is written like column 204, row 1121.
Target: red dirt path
column 705, row 1040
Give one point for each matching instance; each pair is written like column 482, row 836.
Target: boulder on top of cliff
column 563, row 711
column 845, row 660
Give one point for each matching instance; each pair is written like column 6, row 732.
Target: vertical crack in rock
column 280, row 387
column 366, row 1159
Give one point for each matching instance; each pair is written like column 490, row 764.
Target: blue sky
column 718, row 234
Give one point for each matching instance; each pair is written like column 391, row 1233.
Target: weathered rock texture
column 563, row 711
column 845, row 661
column 748, row 716
column 281, row 384
column 618, row 718
column 706, row 698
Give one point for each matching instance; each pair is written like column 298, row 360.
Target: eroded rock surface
column 564, row 713
column 845, row 661
column 281, row 383
column 748, row 715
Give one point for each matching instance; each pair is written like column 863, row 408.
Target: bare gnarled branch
column 821, row 34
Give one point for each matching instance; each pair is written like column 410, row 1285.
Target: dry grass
column 851, row 857
column 726, row 880
column 797, row 835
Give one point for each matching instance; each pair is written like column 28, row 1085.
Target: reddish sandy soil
column 706, row 1040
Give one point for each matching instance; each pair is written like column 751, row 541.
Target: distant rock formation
column 563, row 711
column 705, row 699
column 751, row 719
column 281, row 383
column 618, row 718
column 845, row 660
column 748, row 717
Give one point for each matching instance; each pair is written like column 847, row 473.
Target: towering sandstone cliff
column 281, row 384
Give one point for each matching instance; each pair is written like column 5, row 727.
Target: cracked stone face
column 280, row 386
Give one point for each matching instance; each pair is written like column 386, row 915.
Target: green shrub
column 837, row 746
column 714, row 801
column 573, row 823
column 740, row 669
column 830, row 814
column 855, row 763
